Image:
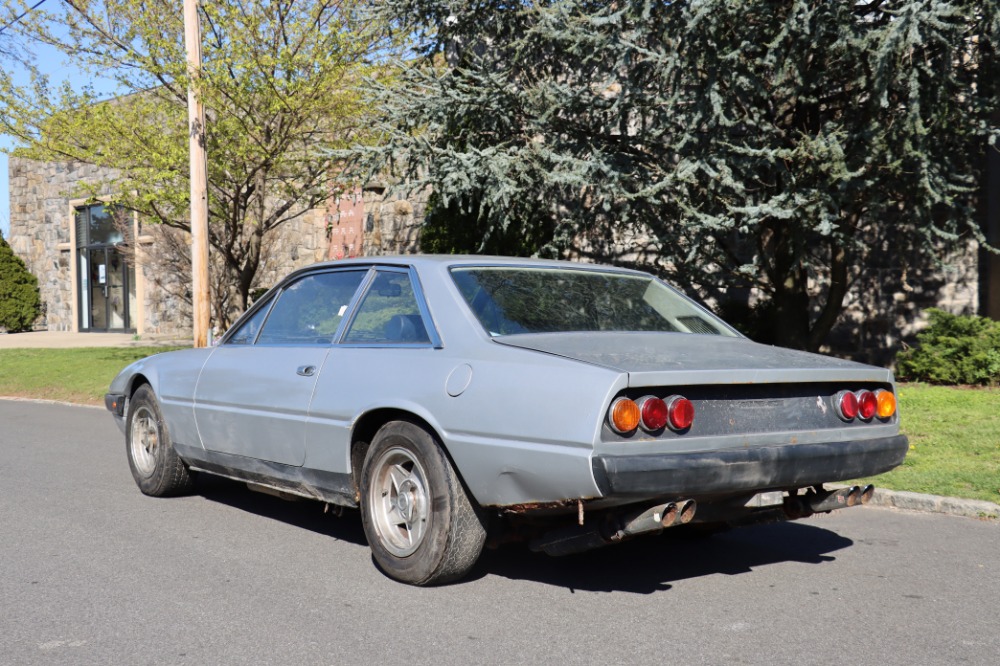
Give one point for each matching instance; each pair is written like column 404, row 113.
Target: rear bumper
column 730, row 471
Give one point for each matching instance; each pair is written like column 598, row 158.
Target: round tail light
column 680, row 412
column 847, row 405
column 624, row 416
column 867, row 405
column 886, row 403
column 654, row 413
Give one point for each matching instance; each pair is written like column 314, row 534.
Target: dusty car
column 459, row 399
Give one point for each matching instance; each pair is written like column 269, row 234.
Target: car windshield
column 511, row 300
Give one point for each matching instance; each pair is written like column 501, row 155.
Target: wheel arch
column 368, row 425
column 135, row 382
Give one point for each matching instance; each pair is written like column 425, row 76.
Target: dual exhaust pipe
column 655, row 519
column 819, row 500
column 615, row 528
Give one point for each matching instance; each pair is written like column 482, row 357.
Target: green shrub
column 19, row 302
column 954, row 349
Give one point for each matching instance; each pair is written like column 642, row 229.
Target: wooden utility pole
column 199, row 178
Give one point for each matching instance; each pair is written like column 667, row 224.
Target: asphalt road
column 93, row 572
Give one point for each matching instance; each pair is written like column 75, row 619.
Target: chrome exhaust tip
column 685, row 512
column 669, row 515
column 867, row 493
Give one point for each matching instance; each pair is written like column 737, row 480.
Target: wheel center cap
column 404, row 502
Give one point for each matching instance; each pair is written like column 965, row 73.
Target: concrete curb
column 907, row 501
column 955, row 506
column 43, row 401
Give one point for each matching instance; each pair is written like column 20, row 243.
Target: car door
column 389, row 341
column 253, row 395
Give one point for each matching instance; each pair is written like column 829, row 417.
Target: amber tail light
column 624, row 416
column 886, row 403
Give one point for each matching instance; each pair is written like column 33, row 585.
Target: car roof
column 438, row 260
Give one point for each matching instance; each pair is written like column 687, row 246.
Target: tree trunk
column 790, row 319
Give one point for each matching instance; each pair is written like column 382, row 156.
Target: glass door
column 105, row 290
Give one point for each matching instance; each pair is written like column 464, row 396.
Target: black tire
column 419, row 521
column 156, row 467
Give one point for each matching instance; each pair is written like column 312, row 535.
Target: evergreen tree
column 767, row 145
column 19, row 302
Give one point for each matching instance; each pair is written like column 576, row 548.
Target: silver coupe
column 459, row 399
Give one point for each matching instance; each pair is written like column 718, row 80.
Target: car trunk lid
column 657, row 359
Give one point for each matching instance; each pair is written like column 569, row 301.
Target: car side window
column 248, row 330
column 309, row 310
column 389, row 313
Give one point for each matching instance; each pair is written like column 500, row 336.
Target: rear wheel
column 420, row 523
column 156, row 467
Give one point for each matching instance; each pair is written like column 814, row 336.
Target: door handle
column 306, row 370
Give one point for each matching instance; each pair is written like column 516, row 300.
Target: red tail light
column 847, row 405
column 680, row 412
column 867, row 405
column 654, row 413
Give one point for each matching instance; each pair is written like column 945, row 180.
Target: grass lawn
column 70, row 375
column 954, row 442
column 954, row 432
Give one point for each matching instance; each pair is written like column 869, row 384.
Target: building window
column 99, row 225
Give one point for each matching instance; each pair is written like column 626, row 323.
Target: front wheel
column 420, row 524
column 156, row 467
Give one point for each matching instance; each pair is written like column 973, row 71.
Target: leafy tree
column 278, row 86
column 19, row 301
column 775, row 147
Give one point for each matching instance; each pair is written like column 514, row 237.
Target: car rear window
column 389, row 313
column 511, row 300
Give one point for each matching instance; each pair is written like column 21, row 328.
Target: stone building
column 92, row 278
column 89, row 281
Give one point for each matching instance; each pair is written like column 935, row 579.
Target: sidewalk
column 62, row 340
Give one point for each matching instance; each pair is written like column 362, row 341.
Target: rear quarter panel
column 522, row 429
